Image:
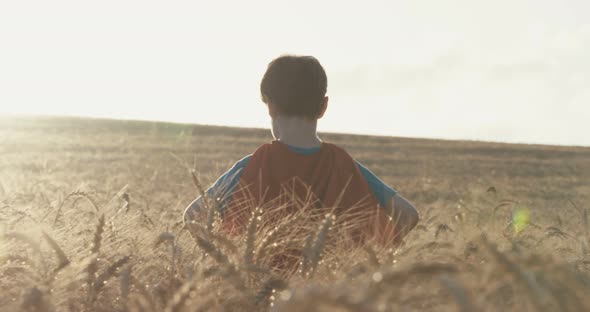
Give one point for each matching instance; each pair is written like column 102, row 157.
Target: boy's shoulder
column 338, row 150
column 264, row 148
column 331, row 150
column 334, row 147
column 279, row 145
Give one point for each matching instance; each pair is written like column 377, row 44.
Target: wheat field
column 91, row 210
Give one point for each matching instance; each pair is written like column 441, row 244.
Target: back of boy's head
column 295, row 86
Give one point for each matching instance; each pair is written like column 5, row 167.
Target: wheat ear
column 251, row 236
column 539, row 295
column 108, row 273
column 34, row 300
column 268, row 288
column 312, row 249
column 459, row 293
column 180, row 296
column 273, row 235
column 61, row 255
column 94, row 250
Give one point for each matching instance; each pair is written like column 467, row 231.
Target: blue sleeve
column 382, row 191
column 222, row 189
column 229, row 180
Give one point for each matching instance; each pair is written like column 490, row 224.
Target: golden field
column 91, row 210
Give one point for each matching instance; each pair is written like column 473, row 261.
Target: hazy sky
column 502, row 70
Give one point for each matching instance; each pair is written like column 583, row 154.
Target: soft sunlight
column 510, row 71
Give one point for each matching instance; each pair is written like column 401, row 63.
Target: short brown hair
column 296, row 85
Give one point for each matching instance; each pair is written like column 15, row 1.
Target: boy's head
column 295, row 86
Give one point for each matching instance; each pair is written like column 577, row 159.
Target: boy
column 298, row 161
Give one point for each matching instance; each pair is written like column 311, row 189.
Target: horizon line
column 79, row 116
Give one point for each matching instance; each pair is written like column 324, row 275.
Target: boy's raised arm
column 403, row 213
column 192, row 211
column 221, row 190
column 395, row 220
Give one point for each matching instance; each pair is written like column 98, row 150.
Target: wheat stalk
column 125, row 281
column 268, row 288
column 76, row 193
column 271, row 237
column 306, row 254
column 312, row 251
column 61, row 255
column 373, row 260
column 165, row 237
column 212, row 250
column 564, row 295
column 180, row 296
column 227, row 269
column 94, row 251
column 140, row 303
column 458, row 292
column 251, row 235
column 171, row 238
column 200, row 230
column 441, row 228
column 539, row 295
column 34, row 301
column 397, row 278
column 102, row 279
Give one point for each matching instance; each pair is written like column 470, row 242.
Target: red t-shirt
column 276, row 176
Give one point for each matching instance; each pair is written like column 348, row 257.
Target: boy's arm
column 222, row 189
column 194, row 210
column 404, row 215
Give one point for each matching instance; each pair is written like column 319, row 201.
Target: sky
column 504, row 70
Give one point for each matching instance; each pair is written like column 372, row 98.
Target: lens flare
column 520, row 219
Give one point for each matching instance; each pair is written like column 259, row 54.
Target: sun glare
column 394, row 68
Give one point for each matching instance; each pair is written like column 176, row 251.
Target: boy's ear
column 271, row 110
column 324, row 107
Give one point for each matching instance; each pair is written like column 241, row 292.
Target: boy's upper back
column 329, row 178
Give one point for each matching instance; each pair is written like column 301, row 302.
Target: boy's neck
column 296, row 131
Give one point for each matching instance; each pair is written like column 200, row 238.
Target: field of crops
column 91, row 220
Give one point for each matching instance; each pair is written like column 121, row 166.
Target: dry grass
column 90, row 211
